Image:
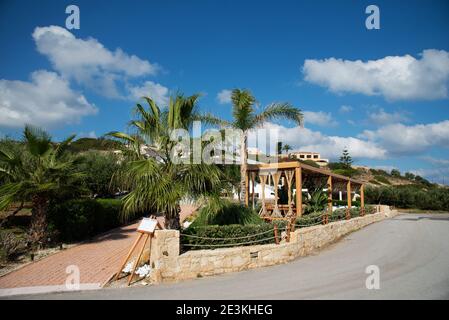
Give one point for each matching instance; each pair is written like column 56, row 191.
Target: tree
column 395, row 173
column 409, row 176
column 287, row 148
column 37, row 171
column 156, row 183
column 99, row 168
column 346, row 159
column 245, row 119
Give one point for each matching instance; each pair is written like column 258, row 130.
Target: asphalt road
column 411, row 251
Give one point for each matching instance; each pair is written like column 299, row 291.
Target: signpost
column 146, row 230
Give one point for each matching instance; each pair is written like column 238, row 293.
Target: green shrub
column 349, row 172
column 409, row 196
column 309, row 220
column 224, row 212
column 11, row 245
column 249, row 235
column 80, row 219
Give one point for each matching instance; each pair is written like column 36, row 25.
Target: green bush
column 309, row 220
column 79, row 219
column 248, row 234
column 224, row 212
column 409, row 196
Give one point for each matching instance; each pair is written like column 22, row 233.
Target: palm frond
column 279, row 111
column 38, row 140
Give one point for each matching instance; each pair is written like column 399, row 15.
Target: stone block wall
column 168, row 265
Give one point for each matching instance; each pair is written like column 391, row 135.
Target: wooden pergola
column 292, row 174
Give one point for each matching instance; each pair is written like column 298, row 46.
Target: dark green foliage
column 86, row 144
column 317, row 201
column 223, row 212
column 310, row 163
column 379, row 172
column 423, row 181
column 76, row 220
column 409, row 196
column 249, row 232
column 409, row 176
column 346, row 159
column 99, row 169
column 350, row 172
column 395, row 173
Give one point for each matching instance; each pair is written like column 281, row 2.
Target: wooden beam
column 362, row 199
column 298, row 178
column 348, row 190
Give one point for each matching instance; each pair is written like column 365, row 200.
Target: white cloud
column 436, row 161
column 345, row 109
column 47, row 100
column 319, row 118
column 88, row 61
column 224, row 96
column 400, row 139
column 305, row 139
column 155, row 91
column 395, row 77
column 381, row 117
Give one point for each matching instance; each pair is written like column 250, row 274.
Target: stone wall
column 168, row 265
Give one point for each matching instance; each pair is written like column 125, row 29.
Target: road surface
column 411, row 251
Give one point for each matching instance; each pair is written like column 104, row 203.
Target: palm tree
column 245, row 118
column 158, row 183
column 287, row 148
column 37, row 171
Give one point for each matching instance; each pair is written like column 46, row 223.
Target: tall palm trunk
column 173, row 221
column 38, row 226
column 243, row 165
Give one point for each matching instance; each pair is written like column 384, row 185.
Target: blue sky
column 381, row 93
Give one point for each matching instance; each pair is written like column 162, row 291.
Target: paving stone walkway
column 97, row 260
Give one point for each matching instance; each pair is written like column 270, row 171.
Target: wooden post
column 127, row 256
column 362, row 200
column 348, row 191
column 263, row 179
column 288, row 230
column 276, row 234
column 329, row 198
column 276, row 211
column 298, row 178
column 137, row 259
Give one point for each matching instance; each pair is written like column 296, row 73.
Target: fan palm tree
column 37, row 171
column 245, row 119
column 159, row 183
column 287, row 148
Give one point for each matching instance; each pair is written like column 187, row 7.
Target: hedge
column 79, row 219
column 411, row 196
column 251, row 232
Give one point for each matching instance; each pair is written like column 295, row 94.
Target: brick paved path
column 97, row 260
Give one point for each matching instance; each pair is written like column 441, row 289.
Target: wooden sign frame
column 146, row 228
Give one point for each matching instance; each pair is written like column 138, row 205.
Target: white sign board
column 148, row 225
